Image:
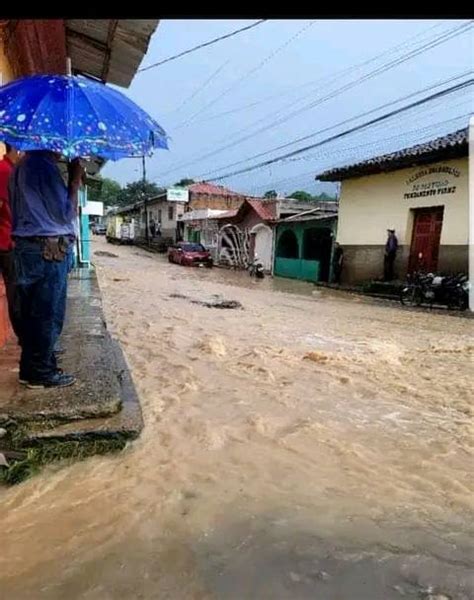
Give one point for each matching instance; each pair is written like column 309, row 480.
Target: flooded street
column 310, row 445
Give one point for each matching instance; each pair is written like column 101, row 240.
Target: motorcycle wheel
column 411, row 296
column 460, row 302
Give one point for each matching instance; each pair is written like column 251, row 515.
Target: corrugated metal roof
column 228, row 214
column 109, row 49
column 448, row 146
column 311, row 215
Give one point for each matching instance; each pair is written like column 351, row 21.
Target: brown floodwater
column 311, row 445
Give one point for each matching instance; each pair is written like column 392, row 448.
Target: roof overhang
column 109, row 50
column 453, row 145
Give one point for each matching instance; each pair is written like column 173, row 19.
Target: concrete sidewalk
column 98, row 414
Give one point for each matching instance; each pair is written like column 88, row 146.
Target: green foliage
column 105, row 190
column 136, row 191
column 184, row 182
column 270, row 194
column 53, row 451
column 307, row 197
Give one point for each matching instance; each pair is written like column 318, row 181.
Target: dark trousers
column 336, row 273
column 42, row 290
column 7, row 267
column 389, row 260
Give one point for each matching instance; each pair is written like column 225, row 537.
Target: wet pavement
column 311, row 444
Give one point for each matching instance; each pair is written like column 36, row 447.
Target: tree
column 302, row 196
column 104, row 190
column 307, row 197
column 137, row 190
column 270, row 194
column 184, row 182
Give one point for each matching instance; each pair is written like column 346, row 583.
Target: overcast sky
column 282, row 66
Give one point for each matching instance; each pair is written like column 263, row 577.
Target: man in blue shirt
column 391, row 247
column 43, row 214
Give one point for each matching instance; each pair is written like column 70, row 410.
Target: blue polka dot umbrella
column 77, row 117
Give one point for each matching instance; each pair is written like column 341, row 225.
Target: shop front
column 421, row 193
column 304, row 246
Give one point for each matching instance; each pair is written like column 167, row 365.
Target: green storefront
column 304, row 246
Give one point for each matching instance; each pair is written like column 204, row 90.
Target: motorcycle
column 428, row 288
column 256, row 269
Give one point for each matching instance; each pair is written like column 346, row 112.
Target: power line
column 351, row 130
column 349, row 120
column 248, row 74
column 353, row 155
column 204, row 45
column 338, row 75
column 424, row 131
column 445, row 36
column 397, row 123
column 200, row 88
column 327, row 79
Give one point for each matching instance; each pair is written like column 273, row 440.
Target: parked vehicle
column 189, row 254
column 256, row 269
column 120, row 231
column 127, row 233
column 99, row 229
column 428, row 288
column 113, row 228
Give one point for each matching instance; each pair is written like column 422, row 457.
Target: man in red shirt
column 7, row 265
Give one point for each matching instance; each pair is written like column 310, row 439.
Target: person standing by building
column 337, row 263
column 391, row 248
column 7, row 264
column 153, row 228
column 43, row 215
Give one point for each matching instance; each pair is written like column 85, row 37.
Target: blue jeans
column 42, row 290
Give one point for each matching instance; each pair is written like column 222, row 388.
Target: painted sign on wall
column 441, row 180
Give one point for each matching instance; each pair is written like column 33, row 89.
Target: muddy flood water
column 311, row 445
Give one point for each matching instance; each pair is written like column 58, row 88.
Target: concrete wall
column 369, row 205
column 197, row 201
column 159, row 211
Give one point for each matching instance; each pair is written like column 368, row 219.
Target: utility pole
column 145, row 201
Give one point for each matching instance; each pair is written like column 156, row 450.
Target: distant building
column 304, row 243
column 422, row 193
column 236, row 237
column 216, row 197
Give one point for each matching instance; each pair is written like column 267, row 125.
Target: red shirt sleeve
column 5, row 214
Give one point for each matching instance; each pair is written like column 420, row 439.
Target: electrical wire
column 247, row 74
column 199, row 89
column 386, row 116
column 326, row 80
column 445, row 36
column 344, row 122
column 204, row 45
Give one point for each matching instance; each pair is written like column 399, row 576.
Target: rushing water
column 311, row 445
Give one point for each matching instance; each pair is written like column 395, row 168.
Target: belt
column 40, row 239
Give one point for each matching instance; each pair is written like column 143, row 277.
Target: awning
column 110, row 50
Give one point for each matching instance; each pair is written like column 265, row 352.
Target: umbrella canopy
column 77, row 117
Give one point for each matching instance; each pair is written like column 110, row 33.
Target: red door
column 425, row 240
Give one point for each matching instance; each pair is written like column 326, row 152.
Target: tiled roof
column 448, row 146
column 203, row 187
column 265, row 209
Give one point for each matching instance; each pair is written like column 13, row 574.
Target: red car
column 189, row 254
